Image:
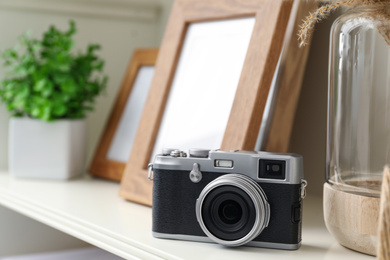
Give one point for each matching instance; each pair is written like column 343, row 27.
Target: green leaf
column 48, row 89
column 8, row 94
column 63, row 67
column 35, row 112
column 10, row 106
column 46, row 115
column 59, row 110
column 40, row 85
column 60, row 79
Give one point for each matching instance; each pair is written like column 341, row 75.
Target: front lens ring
column 257, row 196
column 215, row 220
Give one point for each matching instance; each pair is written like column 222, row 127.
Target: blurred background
column 120, row 26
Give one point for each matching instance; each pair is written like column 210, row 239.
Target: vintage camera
column 232, row 198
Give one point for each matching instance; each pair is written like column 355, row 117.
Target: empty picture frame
column 116, row 142
column 250, row 94
column 278, row 116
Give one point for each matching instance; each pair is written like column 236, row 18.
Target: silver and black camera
column 232, row 198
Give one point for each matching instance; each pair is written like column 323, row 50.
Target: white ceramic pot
column 51, row 150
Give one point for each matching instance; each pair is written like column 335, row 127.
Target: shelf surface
column 91, row 210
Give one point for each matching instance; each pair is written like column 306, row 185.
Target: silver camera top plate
column 242, row 162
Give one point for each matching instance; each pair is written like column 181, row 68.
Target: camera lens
column 232, row 210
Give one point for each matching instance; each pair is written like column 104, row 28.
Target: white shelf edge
column 146, row 10
column 80, row 230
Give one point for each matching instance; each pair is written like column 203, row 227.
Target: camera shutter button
column 178, row 153
column 195, row 174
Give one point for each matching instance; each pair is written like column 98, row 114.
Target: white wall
column 3, row 137
column 310, row 126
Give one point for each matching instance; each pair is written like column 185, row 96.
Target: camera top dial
column 199, row 153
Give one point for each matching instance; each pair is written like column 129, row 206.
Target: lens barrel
column 232, row 210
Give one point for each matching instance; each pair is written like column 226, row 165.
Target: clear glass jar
column 358, row 145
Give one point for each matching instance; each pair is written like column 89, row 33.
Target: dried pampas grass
column 325, row 10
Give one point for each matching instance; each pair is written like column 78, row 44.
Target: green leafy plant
column 47, row 80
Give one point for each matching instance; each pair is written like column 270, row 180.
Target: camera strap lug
column 303, row 189
column 195, row 174
column 150, row 171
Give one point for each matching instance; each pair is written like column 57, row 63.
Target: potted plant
column 48, row 89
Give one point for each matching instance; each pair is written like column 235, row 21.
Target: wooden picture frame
column 101, row 165
column 278, row 123
column 271, row 18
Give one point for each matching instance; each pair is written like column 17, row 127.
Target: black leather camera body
column 232, row 198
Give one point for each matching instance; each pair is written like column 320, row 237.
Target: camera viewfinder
column 272, row 169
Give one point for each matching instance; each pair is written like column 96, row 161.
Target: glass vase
column 358, row 125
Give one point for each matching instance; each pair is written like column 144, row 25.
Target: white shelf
column 90, row 209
